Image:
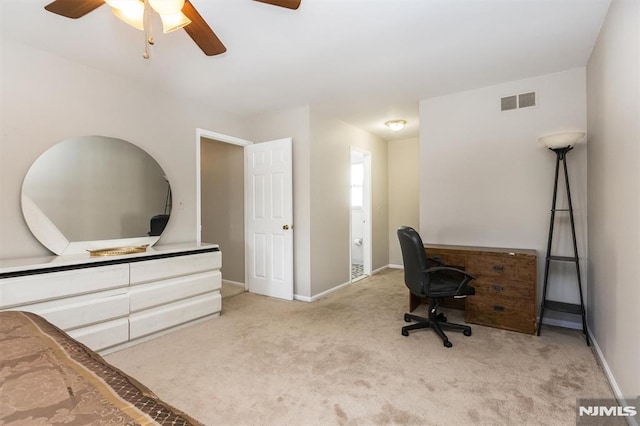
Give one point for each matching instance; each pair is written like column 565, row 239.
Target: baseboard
column 302, row 298
column 336, row 288
column 379, row 269
column 612, row 380
column 393, row 266
column 320, row 295
column 237, row 284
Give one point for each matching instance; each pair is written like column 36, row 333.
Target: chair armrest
column 436, row 261
column 463, row 283
column 448, row 268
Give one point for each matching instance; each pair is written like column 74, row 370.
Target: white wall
column 486, row 181
column 47, row 99
column 404, row 191
column 613, row 90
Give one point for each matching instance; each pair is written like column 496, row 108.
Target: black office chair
column 434, row 282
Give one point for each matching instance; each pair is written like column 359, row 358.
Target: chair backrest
column 414, row 259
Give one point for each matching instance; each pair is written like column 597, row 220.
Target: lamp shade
column 561, row 140
column 167, row 7
column 131, row 13
column 174, row 22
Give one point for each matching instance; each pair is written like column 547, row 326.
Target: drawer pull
column 498, row 268
column 498, row 308
column 497, row 287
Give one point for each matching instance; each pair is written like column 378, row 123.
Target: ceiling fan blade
column 201, row 33
column 73, row 8
column 289, row 4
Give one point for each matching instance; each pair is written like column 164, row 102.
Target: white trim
column 393, row 266
column 367, row 207
column 612, row 380
column 200, row 133
column 302, row 298
column 234, row 283
column 336, row 288
column 379, row 269
column 321, row 295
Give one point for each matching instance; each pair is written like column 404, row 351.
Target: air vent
column 523, row 100
column 510, row 102
column 527, row 100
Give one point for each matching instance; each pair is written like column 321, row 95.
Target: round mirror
column 95, row 192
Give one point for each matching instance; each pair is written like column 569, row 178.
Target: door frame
column 367, row 244
column 203, row 133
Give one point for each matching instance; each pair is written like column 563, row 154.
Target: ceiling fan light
column 173, row 22
column 167, row 7
column 132, row 14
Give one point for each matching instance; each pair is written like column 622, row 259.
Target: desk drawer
column 509, row 267
column 488, row 288
column 509, row 314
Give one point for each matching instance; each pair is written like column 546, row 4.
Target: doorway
column 360, row 235
column 237, row 177
column 220, row 202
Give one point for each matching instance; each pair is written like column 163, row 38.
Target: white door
column 269, row 210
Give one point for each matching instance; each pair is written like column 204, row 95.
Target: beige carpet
column 342, row 361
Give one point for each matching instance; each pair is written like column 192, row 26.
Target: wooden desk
column 505, row 285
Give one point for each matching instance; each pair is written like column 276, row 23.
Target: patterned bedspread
column 47, row 377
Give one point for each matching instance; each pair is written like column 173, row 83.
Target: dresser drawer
column 509, row 314
column 154, row 270
column 145, row 296
column 510, row 267
column 162, row 317
column 488, row 288
column 103, row 335
column 55, row 285
column 80, row 311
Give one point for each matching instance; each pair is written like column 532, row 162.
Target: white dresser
column 112, row 302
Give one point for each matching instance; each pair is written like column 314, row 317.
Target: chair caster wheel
column 441, row 318
column 406, row 318
column 467, row 332
column 405, row 332
column 447, row 344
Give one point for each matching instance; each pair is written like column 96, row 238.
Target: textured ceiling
column 362, row 61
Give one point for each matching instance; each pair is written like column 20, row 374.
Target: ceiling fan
column 175, row 14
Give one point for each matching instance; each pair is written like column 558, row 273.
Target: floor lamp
column 561, row 144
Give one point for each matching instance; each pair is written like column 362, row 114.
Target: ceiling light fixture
column 395, row 125
column 138, row 14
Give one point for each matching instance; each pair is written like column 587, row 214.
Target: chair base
column 437, row 322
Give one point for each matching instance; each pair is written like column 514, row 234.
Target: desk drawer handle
column 498, row 268
column 497, row 287
column 498, row 308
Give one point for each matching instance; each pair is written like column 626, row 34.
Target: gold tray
column 118, row 251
